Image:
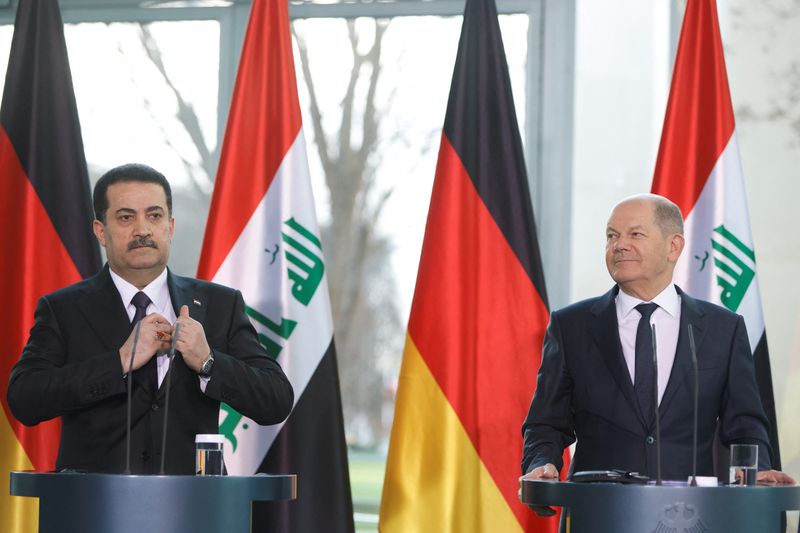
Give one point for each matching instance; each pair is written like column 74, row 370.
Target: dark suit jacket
column 71, row 368
column 584, row 391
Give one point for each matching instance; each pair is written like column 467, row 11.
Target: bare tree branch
column 345, row 129
column 185, row 114
column 316, row 115
column 370, row 122
column 362, row 298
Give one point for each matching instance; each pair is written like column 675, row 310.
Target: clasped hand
column 156, row 332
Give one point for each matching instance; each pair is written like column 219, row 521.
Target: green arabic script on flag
column 306, row 278
column 736, row 264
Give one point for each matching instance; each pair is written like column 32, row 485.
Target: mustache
column 142, row 242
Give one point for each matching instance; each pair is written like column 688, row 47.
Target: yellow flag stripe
column 17, row 514
column 435, row 479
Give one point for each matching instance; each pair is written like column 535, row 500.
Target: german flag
column 477, row 319
column 45, row 218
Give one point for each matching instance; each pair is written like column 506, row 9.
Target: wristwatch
column 205, row 370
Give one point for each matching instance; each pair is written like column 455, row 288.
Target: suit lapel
column 682, row 367
column 605, row 331
column 104, row 310
column 182, row 292
column 105, row 313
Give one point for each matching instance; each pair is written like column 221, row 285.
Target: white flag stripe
column 257, row 265
column 722, row 203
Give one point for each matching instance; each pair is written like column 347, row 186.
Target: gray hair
column 667, row 215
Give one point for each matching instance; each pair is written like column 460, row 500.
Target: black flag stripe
column 323, row 481
column 482, row 128
column 40, row 117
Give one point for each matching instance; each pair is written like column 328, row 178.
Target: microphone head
column 655, row 350
column 691, row 342
column 174, row 340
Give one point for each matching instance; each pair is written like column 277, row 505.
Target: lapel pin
column 197, row 303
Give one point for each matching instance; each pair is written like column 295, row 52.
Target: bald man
column 596, row 382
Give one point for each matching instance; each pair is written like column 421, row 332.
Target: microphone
column 655, row 404
column 168, row 379
column 696, row 388
column 130, row 387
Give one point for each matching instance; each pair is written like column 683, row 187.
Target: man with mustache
column 77, row 359
column 594, row 386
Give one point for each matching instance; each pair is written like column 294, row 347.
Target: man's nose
column 142, row 227
column 621, row 243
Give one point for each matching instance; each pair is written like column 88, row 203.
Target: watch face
column 207, row 366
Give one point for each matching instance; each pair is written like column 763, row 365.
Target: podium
column 99, row 503
column 607, row 507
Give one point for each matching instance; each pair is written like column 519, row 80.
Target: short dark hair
column 132, row 172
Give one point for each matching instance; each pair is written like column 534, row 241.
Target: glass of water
column 209, row 455
column 744, row 465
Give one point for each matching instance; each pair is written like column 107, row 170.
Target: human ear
column 99, row 230
column 676, row 244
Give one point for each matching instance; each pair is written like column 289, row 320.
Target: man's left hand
column 191, row 340
column 774, row 477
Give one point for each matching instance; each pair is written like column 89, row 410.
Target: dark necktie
column 140, row 301
column 643, row 381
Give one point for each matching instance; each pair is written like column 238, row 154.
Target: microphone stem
column 130, row 392
column 655, row 403
column 694, row 444
column 168, row 379
column 696, row 388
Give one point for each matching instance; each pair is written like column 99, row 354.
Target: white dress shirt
column 667, row 319
column 160, row 303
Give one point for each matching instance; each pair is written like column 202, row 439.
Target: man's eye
column 124, row 218
column 155, row 216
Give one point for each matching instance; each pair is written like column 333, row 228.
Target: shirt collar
column 156, row 290
column 668, row 300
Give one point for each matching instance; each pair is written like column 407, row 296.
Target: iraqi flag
column 477, row 319
column 698, row 168
column 262, row 238
column 45, row 218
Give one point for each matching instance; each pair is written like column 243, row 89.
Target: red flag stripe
column 699, row 119
column 266, row 113
column 40, row 264
column 478, row 322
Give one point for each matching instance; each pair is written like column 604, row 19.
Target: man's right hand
column 546, row 472
column 155, row 333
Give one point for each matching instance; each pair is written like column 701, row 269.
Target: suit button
column 650, row 439
column 154, row 407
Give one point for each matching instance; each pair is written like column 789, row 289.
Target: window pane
column 148, row 94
